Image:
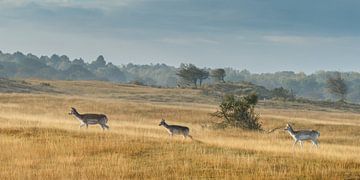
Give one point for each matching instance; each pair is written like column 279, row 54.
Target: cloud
column 188, row 41
column 249, row 30
column 302, row 40
column 10, row 3
column 286, row 39
column 95, row 4
column 280, row 16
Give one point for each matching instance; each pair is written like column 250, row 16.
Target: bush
column 137, row 82
column 238, row 112
column 45, row 84
column 282, row 93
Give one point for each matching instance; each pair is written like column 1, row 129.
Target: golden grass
column 39, row 140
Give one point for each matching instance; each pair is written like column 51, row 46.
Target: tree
column 98, row 63
column 2, row 71
column 79, row 62
column 55, row 57
column 218, row 75
column 336, row 85
column 202, row 74
column 283, row 93
column 111, row 73
column 239, row 112
column 192, row 74
column 188, row 73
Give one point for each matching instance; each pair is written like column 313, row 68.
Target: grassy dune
column 39, row 140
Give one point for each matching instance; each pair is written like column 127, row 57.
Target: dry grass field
column 39, row 140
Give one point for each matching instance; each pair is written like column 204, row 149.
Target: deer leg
column 190, row 136
column 81, row 125
column 87, row 126
column 301, row 144
column 102, row 127
column 295, row 143
column 315, row 142
column 184, row 135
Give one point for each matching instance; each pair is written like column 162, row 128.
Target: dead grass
column 39, row 140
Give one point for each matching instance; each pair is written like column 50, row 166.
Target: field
column 39, row 140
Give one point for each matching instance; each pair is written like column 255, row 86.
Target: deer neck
column 78, row 115
column 166, row 125
column 291, row 132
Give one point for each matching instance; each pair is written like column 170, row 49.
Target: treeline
column 313, row 86
column 18, row 65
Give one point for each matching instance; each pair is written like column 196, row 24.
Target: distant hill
column 312, row 86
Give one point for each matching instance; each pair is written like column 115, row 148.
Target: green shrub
column 238, row 112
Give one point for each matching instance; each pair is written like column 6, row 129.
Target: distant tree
column 283, row 93
column 160, row 74
column 336, row 85
column 78, row 62
column 202, row 74
column 64, row 63
column 239, row 112
column 218, row 75
column 111, row 73
column 78, row 72
column 45, row 59
column 189, row 73
column 64, row 58
column 58, row 62
column 2, row 72
column 98, row 63
column 55, row 57
column 31, row 56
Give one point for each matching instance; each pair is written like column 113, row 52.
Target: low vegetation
column 238, row 112
column 219, row 90
column 39, row 140
column 283, row 94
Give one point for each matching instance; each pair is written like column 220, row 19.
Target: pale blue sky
column 259, row 35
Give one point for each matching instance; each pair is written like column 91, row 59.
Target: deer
column 90, row 119
column 302, row 135
column 176, row 129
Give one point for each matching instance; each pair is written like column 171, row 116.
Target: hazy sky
column 259, row 35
